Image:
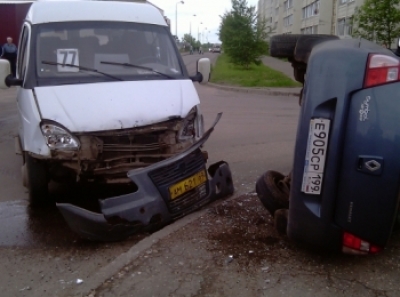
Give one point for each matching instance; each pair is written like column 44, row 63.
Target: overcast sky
column 207, row 12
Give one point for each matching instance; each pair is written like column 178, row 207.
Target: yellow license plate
column 187, row 184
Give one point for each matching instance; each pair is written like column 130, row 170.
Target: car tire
column 396, row 225
column 273, row 191
column 283, row 45
column 306, row 43
column 37, row 181
column 301, row 97
column 299, row 71
column 281, row 220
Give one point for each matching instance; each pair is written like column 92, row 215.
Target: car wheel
column 306, row 43
column 281, row 220
column 299, row 71
column 283, row 45
column 37, row 181
column 273, row 190
column 396, row 225
column 301, row 96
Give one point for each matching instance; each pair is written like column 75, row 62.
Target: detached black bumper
column 151, row 204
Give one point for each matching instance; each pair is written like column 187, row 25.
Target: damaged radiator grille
column 132, row 144
column 165, row 177
column 189, row 202
column 112, row 153
column 172, row 173
column 153, row 139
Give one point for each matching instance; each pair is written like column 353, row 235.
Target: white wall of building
column 309, row 16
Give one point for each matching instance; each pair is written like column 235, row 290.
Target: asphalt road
column 40, row 256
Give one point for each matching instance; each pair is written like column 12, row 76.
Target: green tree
column 378, row 21
column 243, row 34
column 187, row 38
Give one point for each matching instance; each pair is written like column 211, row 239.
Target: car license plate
column 315, row 156
column 187, row 184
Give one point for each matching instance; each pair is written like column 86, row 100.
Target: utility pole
column 190, row 31
column 334, row 17
column 176, row 17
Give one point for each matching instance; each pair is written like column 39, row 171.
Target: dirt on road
column 233, row 250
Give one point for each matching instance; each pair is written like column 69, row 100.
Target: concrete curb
column 264, row 91
column 111, row 269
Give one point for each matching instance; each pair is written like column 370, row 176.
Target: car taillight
column 381, row 69
column 354, row 245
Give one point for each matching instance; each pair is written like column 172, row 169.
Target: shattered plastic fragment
column 79, row 281
column 229, row 259
column 26, row 289
column 251, row 252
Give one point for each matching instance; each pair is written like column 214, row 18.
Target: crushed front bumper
column 151, row 205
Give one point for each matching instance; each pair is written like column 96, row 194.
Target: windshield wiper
column 83, row 68
column 137, row 66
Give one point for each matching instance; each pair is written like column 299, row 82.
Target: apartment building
column 308, row 16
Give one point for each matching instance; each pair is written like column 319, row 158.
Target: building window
column 309, row 30
column 349, row 26
column 340, row 26
column 311, row 10
column 288, row 21
column 344, row 27
column 287, row 4
column 345, row 1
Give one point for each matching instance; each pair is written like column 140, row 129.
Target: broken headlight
column 58, row 138
column 192, row 125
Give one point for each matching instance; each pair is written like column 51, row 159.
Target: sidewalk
column 279, row 65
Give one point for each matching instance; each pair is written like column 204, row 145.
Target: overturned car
column 104, row 97
column 343, row 191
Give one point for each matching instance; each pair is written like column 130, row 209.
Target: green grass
column 226, row 73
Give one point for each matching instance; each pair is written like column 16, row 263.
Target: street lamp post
column 198, row 34
column 202, row 34
column 176, row 17
column 190, row 29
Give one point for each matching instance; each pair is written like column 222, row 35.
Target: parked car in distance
column 216, row 48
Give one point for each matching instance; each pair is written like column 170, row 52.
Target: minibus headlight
column 58, row 138
column 192, row 126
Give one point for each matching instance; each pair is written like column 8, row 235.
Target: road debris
column 229, row 259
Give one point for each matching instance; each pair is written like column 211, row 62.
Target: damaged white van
column 103, row 96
